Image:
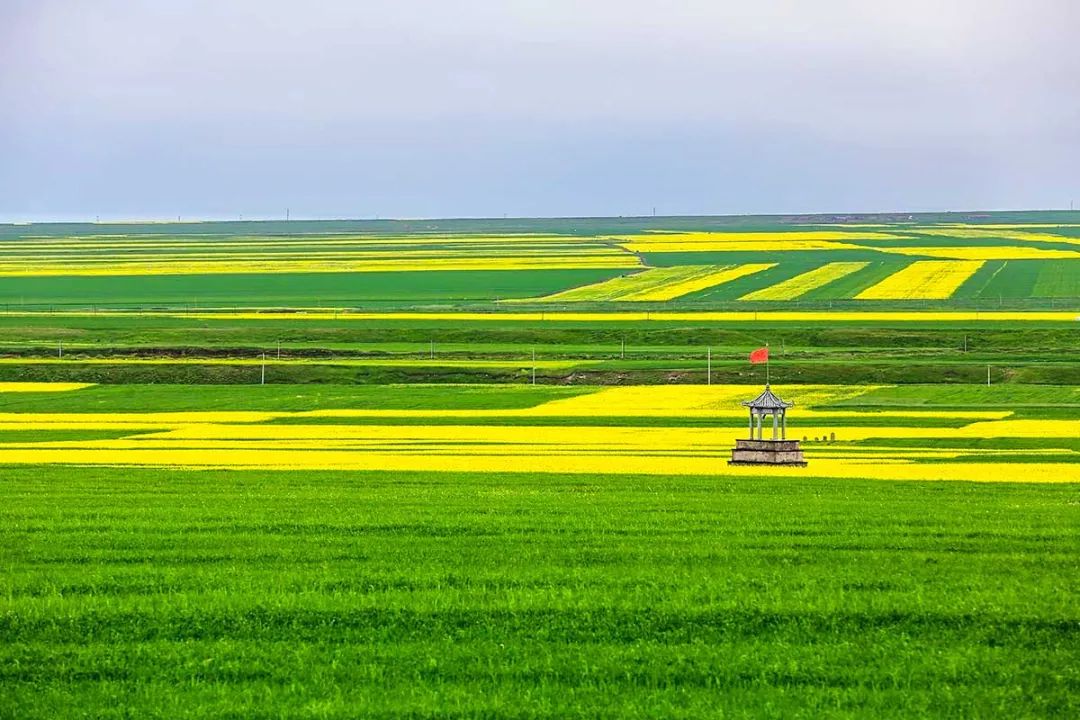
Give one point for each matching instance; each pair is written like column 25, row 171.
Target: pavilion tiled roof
column 767, row 401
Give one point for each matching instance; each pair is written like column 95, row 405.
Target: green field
column 199, row 594
column 1030, row 261
column 315, row 473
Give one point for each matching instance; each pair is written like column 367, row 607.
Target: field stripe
column 617, row 288
column 658, row 284
column 739, row 316
column 707, row 280
column 801, row 284
column 268, row 265
column 923, row 280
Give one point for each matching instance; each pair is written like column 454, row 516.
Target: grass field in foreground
column 158, row 593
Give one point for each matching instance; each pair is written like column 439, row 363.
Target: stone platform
column 767, row 452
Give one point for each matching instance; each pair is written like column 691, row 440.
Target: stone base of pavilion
column 767, row 452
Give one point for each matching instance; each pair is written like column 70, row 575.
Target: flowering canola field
column 926, row 279
column 583, row 260
column 659, row 284
column 632, row 430
column 169, row 255
column 801, row 284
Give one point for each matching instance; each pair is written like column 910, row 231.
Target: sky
column 124, row 109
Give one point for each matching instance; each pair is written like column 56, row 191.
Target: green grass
column 209, row 594
column 1010, row 279
column 178, row 398
column 993, row 397
column 1057, row 279
column 35, row 435
column 286, row 289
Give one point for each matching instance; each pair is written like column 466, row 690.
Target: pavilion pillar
column 783, row 425
column 774, row 420
column 758, row 425
column 751, row 424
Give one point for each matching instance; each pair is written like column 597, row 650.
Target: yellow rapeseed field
column 618, row 288
column 795, row 236
column 712, row 278
column 989, row 252
column 799, row 285
column 1009, row 232
column 540, row 460
column 245, row 439
column 658, row 284
column 923, row 280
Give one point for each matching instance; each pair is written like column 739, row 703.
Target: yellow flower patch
column 923, row 280
column 40, row 387
column 801, row 284
column 658, row 284
column 990, row 252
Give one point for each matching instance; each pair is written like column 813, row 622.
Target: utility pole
column 60, row 349
column 708, row 371
column 534, row 366
column 279, row 349
column 432, row 349
column 987, row 376
column 262, row 377
column 622, row 353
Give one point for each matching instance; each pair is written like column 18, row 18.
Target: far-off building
column 767, row 408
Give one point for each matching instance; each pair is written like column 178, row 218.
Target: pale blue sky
column 213, row 108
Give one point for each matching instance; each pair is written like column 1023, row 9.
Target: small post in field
column 534, row 366
column 708, row 371
column 60, row 348
column 987, row 376
column 432, row 349
column 262, row 377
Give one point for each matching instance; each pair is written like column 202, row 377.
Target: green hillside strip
column 176, row 398
column 302, row 289
column 976, row 285
column 964, row 396
column 1058, row 279
column 1014, row 279
column 32, row 435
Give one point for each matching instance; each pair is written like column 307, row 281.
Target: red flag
column 760, row 355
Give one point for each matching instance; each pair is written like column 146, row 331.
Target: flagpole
column 766, row 364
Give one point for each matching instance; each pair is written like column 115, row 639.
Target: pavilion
column 759, row 451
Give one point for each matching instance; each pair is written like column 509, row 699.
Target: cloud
column 403, row 89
